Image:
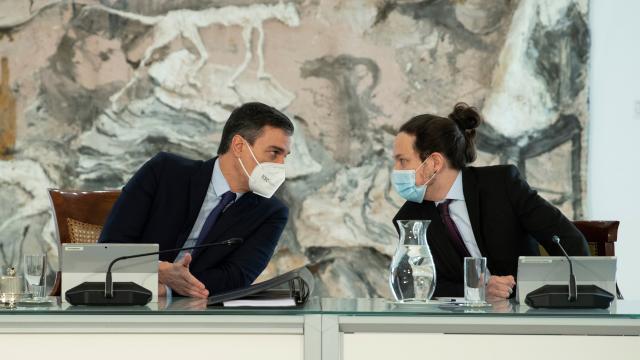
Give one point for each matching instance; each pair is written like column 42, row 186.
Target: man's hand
column 500, row 287
column 177, row 277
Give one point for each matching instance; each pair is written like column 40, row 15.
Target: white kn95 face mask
column 266, row 177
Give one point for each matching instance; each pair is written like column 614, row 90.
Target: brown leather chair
column 600, row 235
column 79, row 217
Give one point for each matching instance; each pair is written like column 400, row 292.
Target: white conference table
column 323, row 329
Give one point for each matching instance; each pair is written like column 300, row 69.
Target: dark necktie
column 227, row 198
column 452, row 229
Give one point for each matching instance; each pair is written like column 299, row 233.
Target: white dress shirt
column 460, row 215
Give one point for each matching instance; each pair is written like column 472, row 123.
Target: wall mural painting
column 92, row 89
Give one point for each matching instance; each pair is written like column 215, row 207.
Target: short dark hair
column 453, row 136
column 249, row 120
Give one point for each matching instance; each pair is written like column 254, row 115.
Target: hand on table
column 500, row 287
column 179, row 279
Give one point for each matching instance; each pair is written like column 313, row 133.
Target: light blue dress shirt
column 460, row 215
column 217, row 186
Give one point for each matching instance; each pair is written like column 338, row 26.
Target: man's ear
column 237, row 145
column 438, row 162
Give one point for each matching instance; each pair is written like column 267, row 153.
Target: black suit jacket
column 160, row 204
column 508, row 219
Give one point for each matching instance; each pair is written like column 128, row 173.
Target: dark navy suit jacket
column 508, row 219
column 160, row 204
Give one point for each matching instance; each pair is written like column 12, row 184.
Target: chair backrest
column 79, row 216
column 601, row 236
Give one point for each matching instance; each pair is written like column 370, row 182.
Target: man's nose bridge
column 281, row 159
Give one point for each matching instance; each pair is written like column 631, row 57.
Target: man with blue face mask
column 177, row 202
column 405, row 181
column 487, row 211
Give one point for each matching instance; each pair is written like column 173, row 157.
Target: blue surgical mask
column 404, row 181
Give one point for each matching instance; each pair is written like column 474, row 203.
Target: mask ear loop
column 253, row 156
column 243, row 168
column 432, row 176
column 251, row 152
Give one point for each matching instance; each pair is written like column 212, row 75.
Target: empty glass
column 413, row 273
column 10, row 286
column 35, row 274
column 475, row 279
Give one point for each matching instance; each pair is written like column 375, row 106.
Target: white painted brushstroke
column 186, row 23
column 519, row 101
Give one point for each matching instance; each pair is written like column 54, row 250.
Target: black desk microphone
column 573, row 289
column 124, row 293
column 573, row 296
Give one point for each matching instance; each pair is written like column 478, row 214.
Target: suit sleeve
column 127, row 220
column 243, row 266
column 541, row 219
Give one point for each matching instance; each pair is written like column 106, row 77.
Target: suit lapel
column 197, row 192
column 472, row 200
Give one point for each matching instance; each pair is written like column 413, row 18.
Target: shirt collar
column 220, row 184
column 455, row 192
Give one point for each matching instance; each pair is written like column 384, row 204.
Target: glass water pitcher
column 413, row 273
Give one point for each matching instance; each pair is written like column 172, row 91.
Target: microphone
column 573, row 289
column 125, row 293
column 557, row 296
column 108, row 283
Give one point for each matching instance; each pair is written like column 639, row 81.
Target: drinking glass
column 35, row 274
column 475, row 279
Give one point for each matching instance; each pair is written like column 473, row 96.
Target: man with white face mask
column 177, row 202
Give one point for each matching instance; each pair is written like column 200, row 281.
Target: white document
column 285, row 302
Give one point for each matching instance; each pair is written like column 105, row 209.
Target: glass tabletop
column 175, row 306
column 384, row 307
column 328, row 306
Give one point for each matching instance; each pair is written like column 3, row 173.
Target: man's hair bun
column 465, row 116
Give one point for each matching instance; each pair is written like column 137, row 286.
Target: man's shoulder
column 409, row 210
column 492, row 169
column 270, row 203
column 175, row 160
column 492, row 172
column 171, row 166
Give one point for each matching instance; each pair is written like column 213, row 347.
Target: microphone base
column 92, row 293
column 557, row 297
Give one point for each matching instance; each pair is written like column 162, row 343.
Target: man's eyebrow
column 278, row 148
